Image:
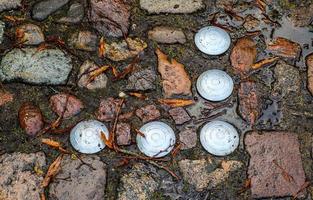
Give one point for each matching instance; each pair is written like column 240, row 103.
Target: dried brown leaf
column 53, row 170
column 262, row 63
column 176, row 102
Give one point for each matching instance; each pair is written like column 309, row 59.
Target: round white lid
column 219, row 138
column 159, row 139
column 215, row 85
column 85, row 137
column 212, row 40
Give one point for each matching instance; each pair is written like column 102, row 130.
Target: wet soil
column 295, row 114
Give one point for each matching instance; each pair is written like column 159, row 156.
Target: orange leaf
column 51, row 143
column 93, row 75
column 107, row 142
column 176, row 102
column 101, row 49
column 176, row 149
column 138, row 95
column 263, row 62
column 53, row 170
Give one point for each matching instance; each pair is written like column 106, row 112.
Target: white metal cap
column 215, row 85
column 159, row 139
column 212, row 40
column 85, row 137
column 219, row 138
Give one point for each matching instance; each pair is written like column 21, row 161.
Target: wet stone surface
column 167, row 35
column 142, row 80
column 188, row 138
column 143, row 52
column 173, row 6
column 84, row 40
column 29, row 34
column 49, row 66
column 65, row 105
column 123, row 134
column 272, row 154
column 44, row 8
column 148, row 113
column 18, row 179
column 82, row 181
column 139, row 183
column 179, row 115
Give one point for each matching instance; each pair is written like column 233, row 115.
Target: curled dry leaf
column 53, row 170
column 249, row 102
column 30, row 118
column 176, row 102
column 54, row 144
column 175, row 79
column 285, row 48
column 264, row 62
column 101, row 49
column 243, row 55
column 95, row 73
column 107, row 141
column 138, row 95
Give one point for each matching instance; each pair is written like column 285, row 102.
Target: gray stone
column 109, row 17
column 74, row 15
column 18, row 179
column 29, row 34
column 188, row 138
column 82, row 182
column 171, row 6
column 48, row 66
column 84, row 40
column 142, row 80
column 43, row 9
column 198, row 173
column 167, row 35
column 83, row 77
column 9, row 4
column 2, row 26
column 138, row 184
column 287, row 79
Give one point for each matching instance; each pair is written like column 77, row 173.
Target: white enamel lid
column 215, row 85
column 212, row 40
column 159, row 139
column 219, row 138
column 85, row 137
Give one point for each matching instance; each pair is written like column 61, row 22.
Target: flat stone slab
column 273, row 154
column 28, row 65
column 18, row 179
column 43, row 9
column 10, row 4
column 79, row 181
column 171, row 6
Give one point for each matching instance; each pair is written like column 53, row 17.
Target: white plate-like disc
column 85, row 137
column 159, row 139
column 219, row 138
column 212, row 40
column 215, row 85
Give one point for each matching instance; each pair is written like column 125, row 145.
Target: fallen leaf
column 284, row 48
column 243, row 55
column 138, row 95
column 176, row 149
column 249, row 102
column 101, row 49
column 107, row 141
column 54, row 144
column 53, row 170
column 5, row 97
column 262, row 63
column 176, row 102
column 95, row 73
column 175, row 79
